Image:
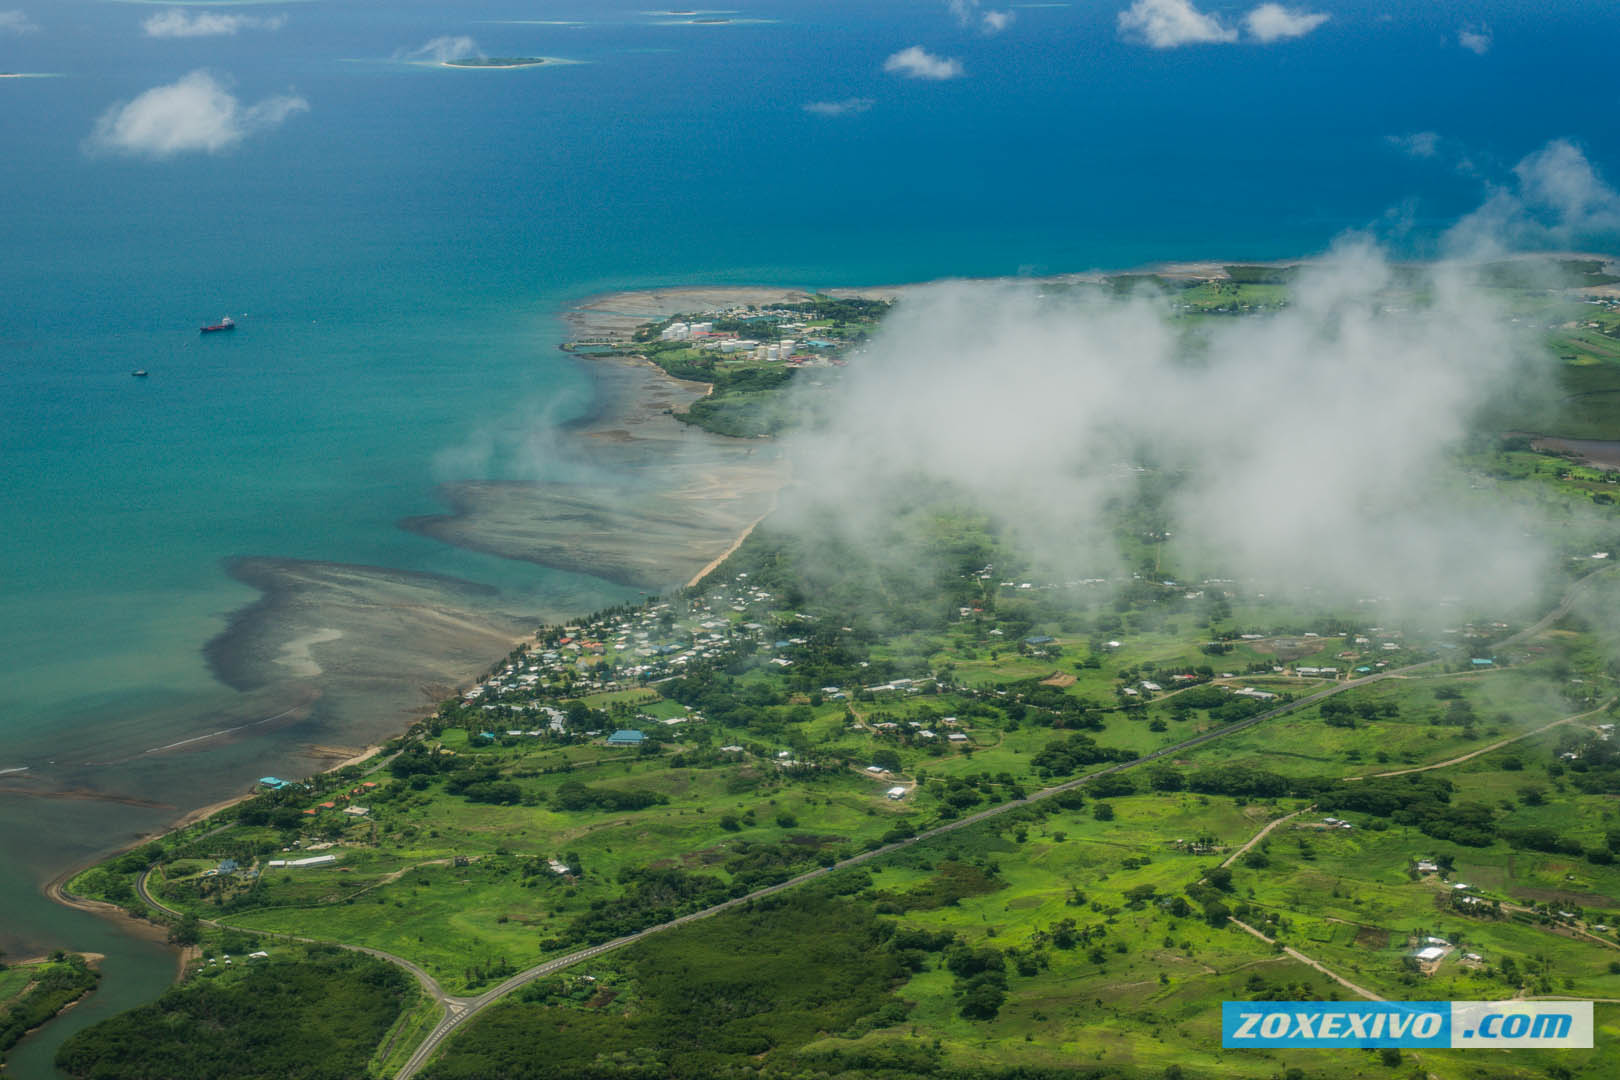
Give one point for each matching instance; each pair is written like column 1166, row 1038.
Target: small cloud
column 16, row 22
column 1556, row 198
column 1476, row 39
column 197, row 113
column 1169, row 24
column 967, row 13
column 918, row 63
column 839, row 108
column 442, row 50
column 1559, row 181
column 1419, row 144
column 1273, row 22
column 177, row 23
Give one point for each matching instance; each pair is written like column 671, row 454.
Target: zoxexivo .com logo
column 1497, row 1025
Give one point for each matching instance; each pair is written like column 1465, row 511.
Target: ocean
column 395, row 255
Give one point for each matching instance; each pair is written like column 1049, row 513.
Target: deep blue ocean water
column 395, row 256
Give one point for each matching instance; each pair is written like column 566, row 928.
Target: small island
column 498, row 62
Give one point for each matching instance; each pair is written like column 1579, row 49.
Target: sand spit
column 645, row 501
column 647, row 539
column 616, row 315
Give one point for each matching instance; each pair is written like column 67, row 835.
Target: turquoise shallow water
column 395, row 256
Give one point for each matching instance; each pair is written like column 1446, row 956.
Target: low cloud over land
column 196, row 114
column 1309, row 447
column 443, row 50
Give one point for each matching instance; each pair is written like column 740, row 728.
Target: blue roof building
column 1480, row 661
column 274, row 783
column 626, row 738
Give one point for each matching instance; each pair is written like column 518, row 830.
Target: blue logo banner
column 1497, row 1025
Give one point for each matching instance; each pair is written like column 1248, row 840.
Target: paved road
column 428, row 982
column 459, row 1010
column 451, row 1022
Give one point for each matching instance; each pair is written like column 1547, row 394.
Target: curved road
column 454, row 1019
column 458, row 1010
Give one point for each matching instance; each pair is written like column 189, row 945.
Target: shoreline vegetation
column 643, row 405
column 613, row 317
column 35, row 991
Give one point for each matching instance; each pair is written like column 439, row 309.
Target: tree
column 186, row 932
column 1102, row 812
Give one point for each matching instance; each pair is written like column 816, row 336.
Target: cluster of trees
column 650, row 896
column 318, row 1016
column 952, row 882
column 62, row 980
column 734, row 995
column 1595, row 769
column 483, row 784
column 1065, row 757
column 981, row 980
column 1420, row 799
column 1336, row 712
column 1242, row 781
column 1048, row 706
column 574, row 795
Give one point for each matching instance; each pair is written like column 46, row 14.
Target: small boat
column 227, row 323
column 139, row 373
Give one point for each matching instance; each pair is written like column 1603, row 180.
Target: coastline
column 56, row 888
column 613, row 418
column 619, row 413
column 627, row 416
column 726, row 554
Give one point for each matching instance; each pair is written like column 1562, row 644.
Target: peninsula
column 895, row 790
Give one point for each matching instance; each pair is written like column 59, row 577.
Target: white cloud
column 16, row 22
column 918, row 63
column 1476, row 39
column 1273, row 22
column 1044, row 401
column 1556, row 198
column 197, row 113
column 443, row 50
column 1560, row 180
column 839, row 108
column 967, row 13
column 1419, row 144
column 1168, row 24
column 176, row 23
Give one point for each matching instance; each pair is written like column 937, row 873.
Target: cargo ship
column 227, row 323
